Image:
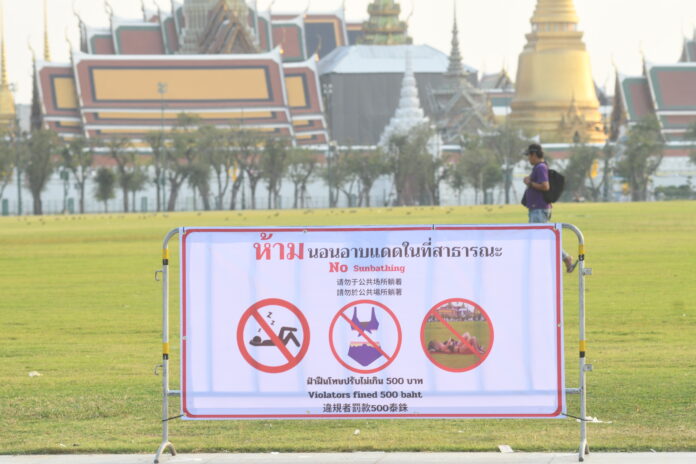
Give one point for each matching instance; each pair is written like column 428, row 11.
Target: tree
column 19, row 144
column 181, row 155
column 479, row 166
column 156, row 140
column 248, row 146
column 437, row 171
column 214, row 151
column 136, row 180
column 580, row 173
column 301, row 166
column 340, row 175
column 367, row 167
column 120, row 151
column 104, row 189
column 608, row 153
column 199, row 179
column 273, row 165
column 42, row 146
column 7, row 163
column 691, row 136
column 78, row 157
column 507, row 143
column 408, row 161
column 642, row 155
column 456, row 177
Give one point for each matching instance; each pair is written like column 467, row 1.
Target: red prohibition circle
column 292, row 360
column 389, row 359
column 481, row 357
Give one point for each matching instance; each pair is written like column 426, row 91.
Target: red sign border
column 305, row 335
column 185, row 233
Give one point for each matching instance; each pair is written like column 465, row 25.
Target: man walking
column 537, row 183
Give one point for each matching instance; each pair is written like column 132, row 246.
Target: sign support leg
column 584, row 448
column 166, row 444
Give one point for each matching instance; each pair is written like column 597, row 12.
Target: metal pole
column 166, row 444
column 583, row 366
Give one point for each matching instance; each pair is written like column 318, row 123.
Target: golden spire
column 7, row 105
column 47, row 50
column 553, row 75
column 3, row 79
column 555, row 11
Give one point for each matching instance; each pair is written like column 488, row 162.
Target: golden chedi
column 7, row 104
column 555, row 94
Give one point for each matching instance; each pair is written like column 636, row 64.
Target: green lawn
column 79, row 305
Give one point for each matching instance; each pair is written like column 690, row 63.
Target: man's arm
column 543, row 186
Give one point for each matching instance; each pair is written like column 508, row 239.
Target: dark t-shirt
column 534, row 198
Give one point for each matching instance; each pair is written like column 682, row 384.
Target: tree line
column 221, row 164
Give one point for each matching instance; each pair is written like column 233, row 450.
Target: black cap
column 536, row 149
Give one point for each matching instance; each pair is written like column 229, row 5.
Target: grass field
column 79, row 305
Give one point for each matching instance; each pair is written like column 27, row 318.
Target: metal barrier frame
column 584, row 367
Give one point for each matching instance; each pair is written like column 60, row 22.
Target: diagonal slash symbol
column 272, row 335
column 374, row 344
column 340, row 314
column 275, row 339
column 456, row 334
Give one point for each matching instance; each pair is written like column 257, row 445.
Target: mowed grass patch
column 81, row 307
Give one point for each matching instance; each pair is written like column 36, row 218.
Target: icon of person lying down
column 286, row 334
column 456, row 346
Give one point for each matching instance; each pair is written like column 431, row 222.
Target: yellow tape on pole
column 583, row 345
column 165, row 348
column 165, row 253
column 581, row 249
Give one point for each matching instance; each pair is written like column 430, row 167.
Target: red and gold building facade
column 132, row 79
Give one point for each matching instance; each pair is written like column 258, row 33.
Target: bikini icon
column 362, row 351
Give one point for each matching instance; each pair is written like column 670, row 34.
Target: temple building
column 361, row 86
column 8, row 114
column 221, row 60
column 665, row 91
column 500, row 90
column 555, row 95
column 294, row 74
column 384, row 26
column 459, row 107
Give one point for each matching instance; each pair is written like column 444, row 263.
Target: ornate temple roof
column 129, row 79
column 459, row 107
column 500, row 80
column 666, row 91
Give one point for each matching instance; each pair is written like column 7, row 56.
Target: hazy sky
column 491, row 32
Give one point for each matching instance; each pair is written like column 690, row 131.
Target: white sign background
column 235, row 285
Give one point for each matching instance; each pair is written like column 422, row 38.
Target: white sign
column 350, row 322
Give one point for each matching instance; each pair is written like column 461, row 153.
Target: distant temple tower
column 196, row 13
column 384, row 26
column 8, row 115
column 458, row 106
column 409, row 114
column 555, row 94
